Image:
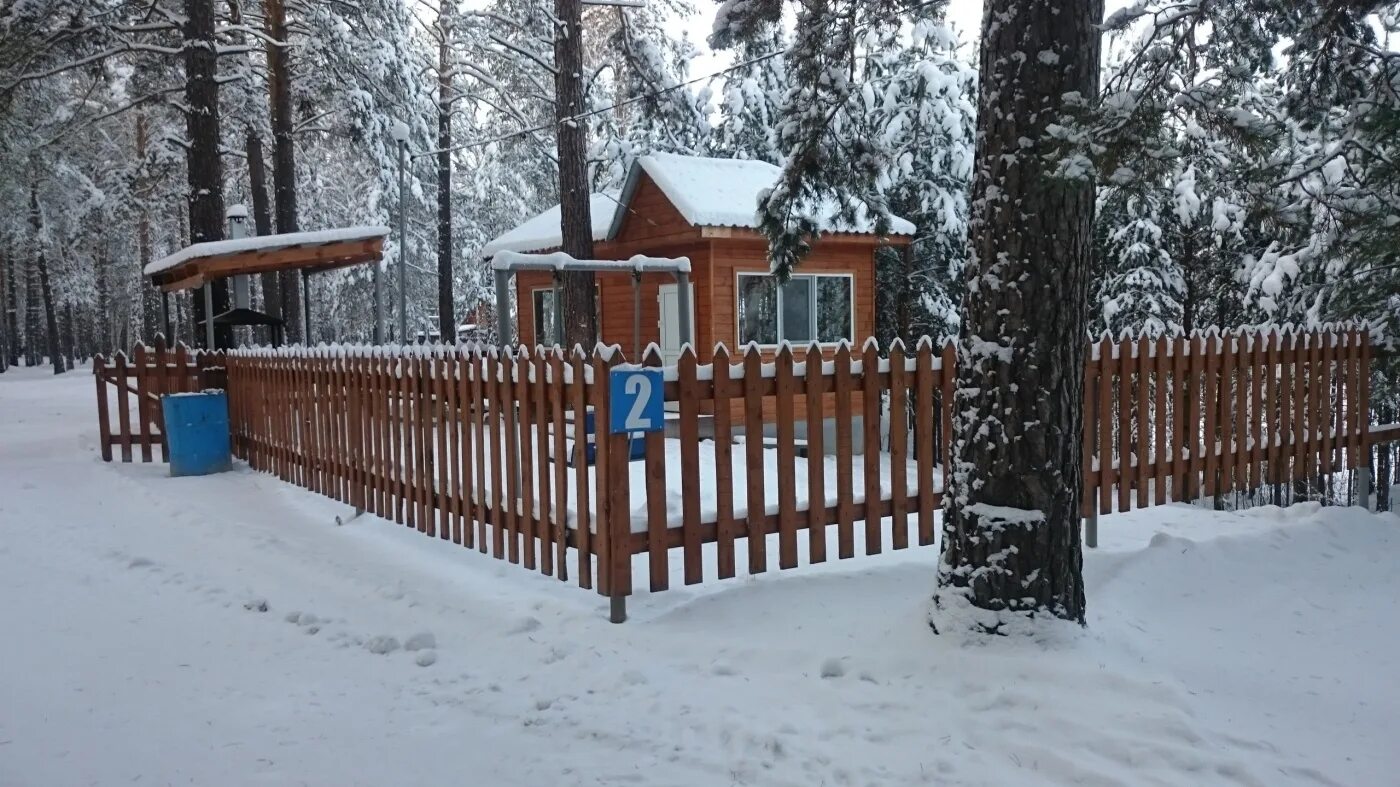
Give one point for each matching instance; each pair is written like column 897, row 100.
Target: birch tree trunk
column 1011, row 539
column 578, row 310
column 9, row 313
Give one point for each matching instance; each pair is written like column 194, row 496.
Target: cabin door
column 669, row 326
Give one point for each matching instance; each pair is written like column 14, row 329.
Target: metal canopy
column 506, row 263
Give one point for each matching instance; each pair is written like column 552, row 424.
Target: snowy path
column 1255, row 649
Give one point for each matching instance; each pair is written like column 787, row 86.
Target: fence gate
column 129, row 413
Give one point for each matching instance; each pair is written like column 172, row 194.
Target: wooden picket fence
column 130, row 388
column 489, row 449
column 1177, row 419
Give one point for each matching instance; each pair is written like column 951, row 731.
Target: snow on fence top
column 558, row 261
column 221, row 248
column 708, row 192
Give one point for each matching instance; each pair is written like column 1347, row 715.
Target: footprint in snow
column 256, row 605
column 381, row 645
column 423, row 640
column 833, row 668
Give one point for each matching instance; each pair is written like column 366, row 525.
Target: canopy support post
column 637, row 315
column 306, row 308
column 165, row 316
column 502, row 308
column 683, row 306
column 208, row 316
column 558, row 323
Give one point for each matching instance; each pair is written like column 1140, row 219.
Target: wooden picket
column 133, row 386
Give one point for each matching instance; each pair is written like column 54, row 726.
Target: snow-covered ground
column 222, row 631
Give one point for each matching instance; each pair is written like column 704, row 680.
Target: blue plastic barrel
column 196, row 431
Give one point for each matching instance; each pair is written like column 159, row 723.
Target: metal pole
column 306, row 306
column 503, row 308
column 1363, row 483
column 1091, row 530
column 683, row 306
column 378, row 305
column 637, row 316
column 403, row 243
column 208, row 316
column 557, row 305
column 165, row 316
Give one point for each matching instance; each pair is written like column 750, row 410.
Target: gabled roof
column 723, row 192
column 708, row 192
column 542, row 232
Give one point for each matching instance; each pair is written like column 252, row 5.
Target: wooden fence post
column 104, row 422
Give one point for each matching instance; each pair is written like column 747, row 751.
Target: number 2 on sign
column 635, row 401
column 638, row 386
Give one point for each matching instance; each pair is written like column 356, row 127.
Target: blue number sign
column 635, row 401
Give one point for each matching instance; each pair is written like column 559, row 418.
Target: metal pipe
column 554, row 304
column 637, row 316
column 306, row 307
column 378, row 305
column 208, row 316
column 503, row 308
column 403, row 243
column 683, row 306
column 165, row 317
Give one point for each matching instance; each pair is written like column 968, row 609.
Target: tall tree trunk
column 284, row 173
column 33, row 308
column 102, row 329
column 1011, row 538
column 447, row 322
column 9, row 311
column 69, row 335
column 150, row 296
column 41, row 266
column 6, row 333
column 262, row 219
column 578, row 310
column 202, row 159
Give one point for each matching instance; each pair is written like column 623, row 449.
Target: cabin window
column 544, row 317
column 802, row 309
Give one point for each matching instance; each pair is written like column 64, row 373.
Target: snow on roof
column 542, row 231
column 288, row 240
column 723, row 192
column 708, row 192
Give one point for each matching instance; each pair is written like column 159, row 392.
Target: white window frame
column 739, row 293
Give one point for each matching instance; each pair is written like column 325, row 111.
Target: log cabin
column 705, row 209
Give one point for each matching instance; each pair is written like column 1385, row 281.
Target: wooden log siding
column 487, row 449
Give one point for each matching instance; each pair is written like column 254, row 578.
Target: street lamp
column 400, row 135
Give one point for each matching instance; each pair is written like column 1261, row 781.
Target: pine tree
column 750, row 98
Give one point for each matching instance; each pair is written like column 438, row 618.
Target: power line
column 642, row 97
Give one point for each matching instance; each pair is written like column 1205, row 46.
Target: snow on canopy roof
column 221, row 248
column 708, row 192
column 542, row 231
column 723, row 192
